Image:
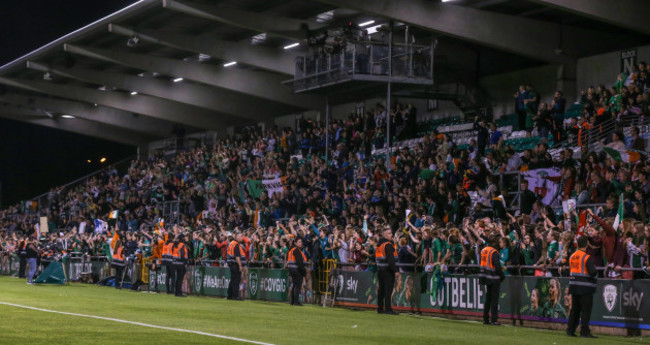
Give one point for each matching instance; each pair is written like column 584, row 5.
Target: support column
column 566, row 81
column 143, row 151
column 388, row 92
column 327, row 130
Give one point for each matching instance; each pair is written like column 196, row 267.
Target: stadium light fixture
column 89, row 161
column 102, row 160
column 292, row 45
column 231, row 63
column 133, row 93
column 178, row 80
column 66, row 116
column 366, row 23
column 133, row 41
column 257, row 39
column 371, row 30
column 325, row 17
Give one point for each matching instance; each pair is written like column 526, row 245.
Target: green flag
column 626, row 156
column 255, row 188
column 619, row 214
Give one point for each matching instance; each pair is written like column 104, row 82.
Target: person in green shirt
column 531, row 102
column 504, row 253
column 527, row 253
column 440, row 246
column 553, row 249
column 455, row 248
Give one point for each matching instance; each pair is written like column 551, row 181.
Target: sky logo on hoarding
column 253, row 282
column 609, row 296
column 632, row 299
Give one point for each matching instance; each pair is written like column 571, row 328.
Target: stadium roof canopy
column 120, row 77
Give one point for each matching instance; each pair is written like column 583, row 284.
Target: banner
column 617, row 303
column 202, row 280
column 271, row 186
column 43, row 226
column 158, row 280
column 268, row 284
column 540, row 185
column 210, row 281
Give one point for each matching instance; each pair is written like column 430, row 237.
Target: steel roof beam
column 629, row 14
column 78, row 126
column 255, row 83
column 187, row 93
column 524, row 36
column 271, row 24
column 271, row 59
column 141, row 104
column 101, row 114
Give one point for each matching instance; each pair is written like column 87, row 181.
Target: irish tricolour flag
column 626, row 156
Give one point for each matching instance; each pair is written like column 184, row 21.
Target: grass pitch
column 267, row 322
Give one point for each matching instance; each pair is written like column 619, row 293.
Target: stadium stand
column 537, row 179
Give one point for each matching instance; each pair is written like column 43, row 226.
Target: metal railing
column 515, row 268
column 363, row 58
column 597, row 136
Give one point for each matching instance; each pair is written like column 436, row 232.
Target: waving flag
column 626, row 156
column 538, row 184
column 619, row 214
column 100, row 226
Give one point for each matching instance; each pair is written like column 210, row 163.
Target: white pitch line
column 140, row 324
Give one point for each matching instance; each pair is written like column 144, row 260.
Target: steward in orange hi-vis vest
column 296, row 261
column 179, row 260
column 385, row 255
column 491, row 276
column 167, row 262
column 236, row 258
column 582, row 287
column 118, row 263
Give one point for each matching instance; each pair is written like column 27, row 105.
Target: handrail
column 516, row 267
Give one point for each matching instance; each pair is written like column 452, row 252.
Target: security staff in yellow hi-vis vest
column 582, row 288
column 236, row 258
column 385, row 255
column 491, row 276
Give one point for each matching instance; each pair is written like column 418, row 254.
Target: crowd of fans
column 340, row 207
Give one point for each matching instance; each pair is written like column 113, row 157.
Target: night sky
column 35, row 158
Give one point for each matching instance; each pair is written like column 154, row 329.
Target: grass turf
column 269, row 322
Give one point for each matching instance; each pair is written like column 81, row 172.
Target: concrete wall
column 502, row 87
column 604, row 68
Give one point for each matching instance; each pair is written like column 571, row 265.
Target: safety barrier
column 256, row 284
column 324, row 276
column 617, row 303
